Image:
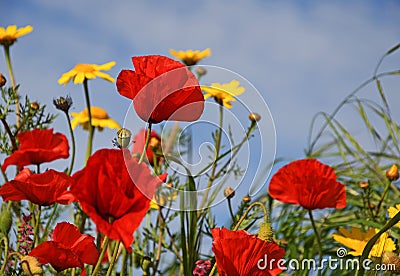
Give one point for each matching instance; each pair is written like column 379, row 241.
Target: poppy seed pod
column 201, row 71
column 364, row 185
column 124, row 137
column 254, row 117
column 229, row 192
column 265, row 233
column 392, row 173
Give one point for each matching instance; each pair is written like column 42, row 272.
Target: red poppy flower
column 240, row 253
column 38, row 146
column 43, row 189
column 161, row 89
column 154, row 144
column 308, row 183
column 68, row 249
column 115, row 192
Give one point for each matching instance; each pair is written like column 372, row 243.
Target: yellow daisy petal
column 100, row 119
column 83, row 71
column 190, row 57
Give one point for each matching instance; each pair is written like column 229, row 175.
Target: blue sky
column 302, row 56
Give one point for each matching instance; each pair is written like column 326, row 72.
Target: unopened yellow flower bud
column 229, row 192
column 393, row 173
column 146, row 264
column 246, row 199
column 254, row 117
column 364, row 185
column 34, row 106
column 63, row 104
column 201, row 71
column 31, row 266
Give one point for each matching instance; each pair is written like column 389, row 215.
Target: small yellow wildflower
column 393, row 211
column 161, row 200
column 223, row 93
column 190, row 57
column 357, row 240
column 83, row 71
column 100, row 119
column 10, row 34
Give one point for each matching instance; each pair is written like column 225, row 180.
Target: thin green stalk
column 102, row 253
column 124, row 262
column 231, row 210
column 91, row 127
column 10, row 71
column 318, row 241
column 385, row 191
column 160, row 238
column 216, row 154
column 146, row 144
column 113, row 259
column 4, row 239
column 46, row 229
column 37, row 226
column 71, row 165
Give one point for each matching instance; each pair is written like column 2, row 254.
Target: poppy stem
column 4, row 239
column 146, row 144
column 259, row 204
column 216, row 155
column 91, row 128
column 318, row 240
column 71, row 165
column 102, row 253
column 114, row 258
column 37, row 226
column 14, row 86
column 231, row 210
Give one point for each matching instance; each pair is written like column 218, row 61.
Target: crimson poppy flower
column 154, row 144
column 240, row 253
column 43, row 189
column 308, row 183
column 38, row 146
column 115, row 191
column 161, row 89
column 68, row 249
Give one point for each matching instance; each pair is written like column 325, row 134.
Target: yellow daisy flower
column 10, row 34
column 356, row 240
column 100, row 119
column 223, row 93
column 83, row 71
column 160, row 200
column 190, row 57
column 393, row 211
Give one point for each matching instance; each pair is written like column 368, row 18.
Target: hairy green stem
column 71, row 165
column 146, row 144
column 216, row 154
column 314, row 226
column 102, row 253
column 113, row 258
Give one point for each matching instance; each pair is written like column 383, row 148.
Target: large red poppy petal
column 81, row 244
column 239, row 253
column 308, row 183
column 57, row 255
